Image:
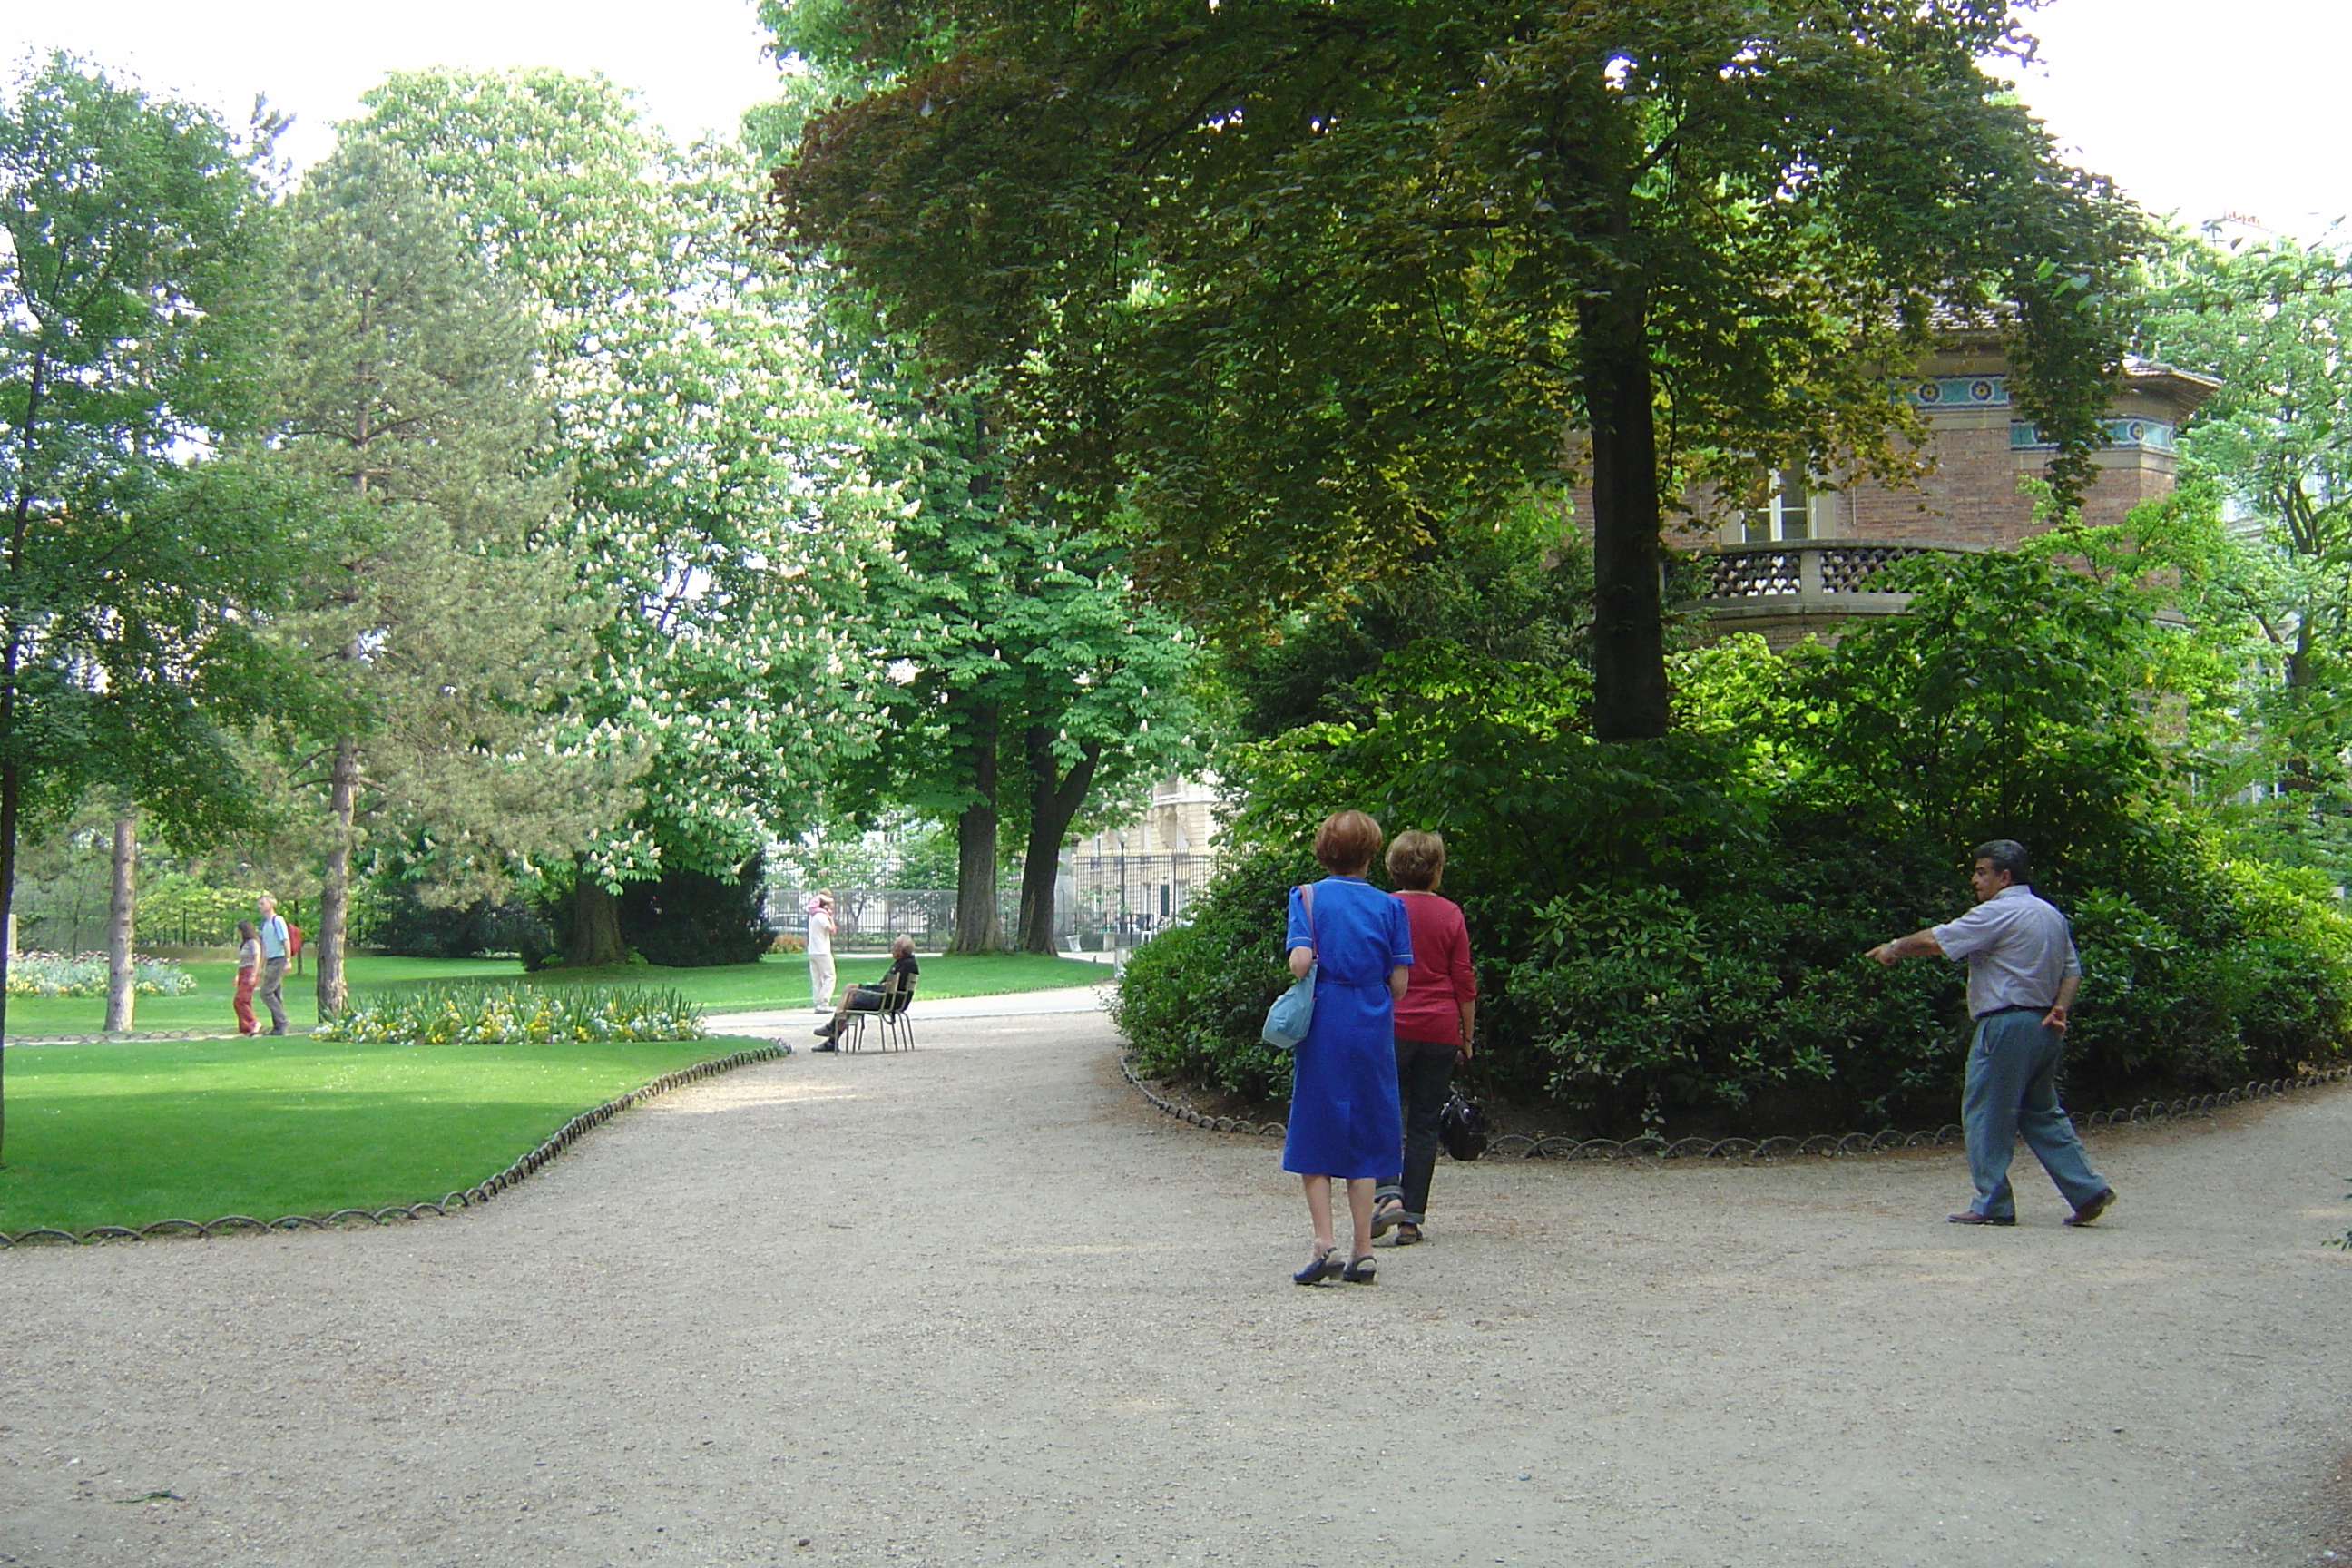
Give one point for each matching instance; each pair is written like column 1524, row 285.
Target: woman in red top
column 1433, row 1026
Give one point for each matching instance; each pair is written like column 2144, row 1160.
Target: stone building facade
column 1129, row 881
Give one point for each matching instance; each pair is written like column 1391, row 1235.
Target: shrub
column 515, row 1015
column 690, row 920
column 1194, row 997
column 85, row 974
column 1671, row 934
column 406, row 925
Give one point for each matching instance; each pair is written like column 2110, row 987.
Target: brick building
column 1796, row 565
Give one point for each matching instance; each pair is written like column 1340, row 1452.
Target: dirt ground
column 979, row 1305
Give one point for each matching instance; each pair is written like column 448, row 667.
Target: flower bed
column 84, row 975
column 515, row 1015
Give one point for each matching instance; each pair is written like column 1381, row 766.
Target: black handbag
column 1462, row 1127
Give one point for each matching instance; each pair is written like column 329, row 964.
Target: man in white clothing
column 820, row 952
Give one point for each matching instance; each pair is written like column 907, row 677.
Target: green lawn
column 776, row 982
column 129, row 1132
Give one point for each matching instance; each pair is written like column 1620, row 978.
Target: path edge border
column 1560, row 1146
column 482, row 1192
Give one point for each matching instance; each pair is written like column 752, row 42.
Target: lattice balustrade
column 1754, row 574
column 1847, row 568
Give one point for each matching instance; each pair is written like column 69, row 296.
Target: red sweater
column 1442, row 977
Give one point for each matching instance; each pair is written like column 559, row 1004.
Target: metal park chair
column 892, row 1026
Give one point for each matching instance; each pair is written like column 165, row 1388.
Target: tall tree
column 454, row 627
column 718, row 487
column 1028, row 674
column 129, row 336
column 1299, row 281
column 2270, row 320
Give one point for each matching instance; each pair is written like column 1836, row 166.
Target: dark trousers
column 1424, row 1083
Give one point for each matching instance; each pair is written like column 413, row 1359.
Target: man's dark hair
column 2006, row 854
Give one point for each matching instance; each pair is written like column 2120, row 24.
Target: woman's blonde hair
column 1346, row 843
column 1416, row 860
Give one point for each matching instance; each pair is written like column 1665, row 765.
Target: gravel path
column 977, row 1305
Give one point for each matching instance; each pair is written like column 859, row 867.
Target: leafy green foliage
column 131, row 335
column 1670, row 933
column 1301, row 284
column 515, row 1015
column 691, row 920
column 2275, row 439
column 1193, row 999
column 715, row 469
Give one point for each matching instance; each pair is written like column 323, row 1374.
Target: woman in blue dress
column 1344, row 1119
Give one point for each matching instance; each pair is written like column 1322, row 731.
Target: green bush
column 1669, row 934
column 1195, row 996
column 515, row 1015
column 691, row 920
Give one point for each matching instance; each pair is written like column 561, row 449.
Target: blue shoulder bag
column 1293, row 1013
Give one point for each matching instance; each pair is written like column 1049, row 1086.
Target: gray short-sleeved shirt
column 2018, row 949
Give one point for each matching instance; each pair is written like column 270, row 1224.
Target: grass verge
column 129, row 1133
column 774, row 982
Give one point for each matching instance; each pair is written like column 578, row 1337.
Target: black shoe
column 2090, row 1212
column 1970, row 1216
column 828, row 1045
column 824, row 1031
column 1322, row 1266
column 1360, row 1271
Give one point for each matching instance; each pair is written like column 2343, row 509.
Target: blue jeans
column 2012, row 1089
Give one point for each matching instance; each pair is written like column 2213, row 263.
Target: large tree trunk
column 1053, row 801
column 978, row 929
column 121, row 973
column 596, row 936
column 335, row 893
column 1629, row 650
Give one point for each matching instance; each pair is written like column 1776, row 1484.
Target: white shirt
column 2018, row 949
column 820, row 934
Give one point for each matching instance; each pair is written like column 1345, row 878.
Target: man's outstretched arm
column 1918, row 944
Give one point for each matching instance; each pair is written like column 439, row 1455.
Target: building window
column 1787, row 512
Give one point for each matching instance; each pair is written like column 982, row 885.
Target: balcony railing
column 1833, row 575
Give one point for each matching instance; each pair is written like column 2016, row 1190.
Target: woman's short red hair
column 1346, row 843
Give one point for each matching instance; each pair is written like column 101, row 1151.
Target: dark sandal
column 1360, row 1271
column 1322, row 1266
column 1387, row 1217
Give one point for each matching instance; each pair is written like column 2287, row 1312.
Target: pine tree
column 454, row 630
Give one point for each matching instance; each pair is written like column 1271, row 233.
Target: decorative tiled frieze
column 2144, row 434
column 1958, row 392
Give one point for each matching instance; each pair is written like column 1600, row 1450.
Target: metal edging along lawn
column 564, row 1137
column 1546, row 1146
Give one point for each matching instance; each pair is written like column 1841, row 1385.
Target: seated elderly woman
column 868, row 998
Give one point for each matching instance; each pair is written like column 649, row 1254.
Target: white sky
column 2202, row 110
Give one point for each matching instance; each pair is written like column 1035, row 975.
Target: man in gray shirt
column 2021, row 978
